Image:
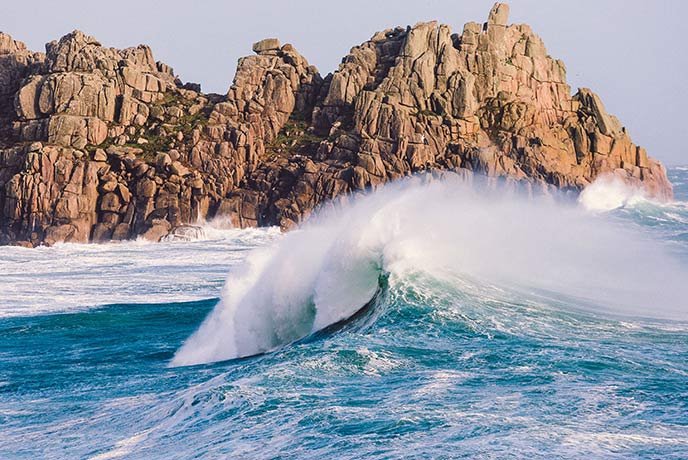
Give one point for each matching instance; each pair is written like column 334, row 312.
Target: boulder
column 179, row 169
column 157, row 229
column 100, row 155
column 267, row 44
column 499, row 14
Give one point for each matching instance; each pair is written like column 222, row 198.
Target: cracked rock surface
column 100, row 144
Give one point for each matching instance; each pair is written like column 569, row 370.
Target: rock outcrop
column 100, row 144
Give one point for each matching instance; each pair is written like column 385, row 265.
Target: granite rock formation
column 100, row 144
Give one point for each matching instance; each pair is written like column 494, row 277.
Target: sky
column 631, row 52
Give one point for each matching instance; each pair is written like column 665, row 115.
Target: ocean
column 432, row 319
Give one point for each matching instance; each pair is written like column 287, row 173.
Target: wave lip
column 312, row 279
column 330, row 268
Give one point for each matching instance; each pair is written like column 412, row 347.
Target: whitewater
column 437, row 317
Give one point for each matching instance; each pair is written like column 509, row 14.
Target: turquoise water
column 436, row 366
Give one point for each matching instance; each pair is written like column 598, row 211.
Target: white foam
column 214, row 229
column 69, row 277
column 124, row 447
column 329, row 269
column 609, row 192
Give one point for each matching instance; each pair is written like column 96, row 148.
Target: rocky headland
column 100, row 144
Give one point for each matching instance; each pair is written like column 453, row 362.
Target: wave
column 218, row 228
column 324, row 272
column 610, row 192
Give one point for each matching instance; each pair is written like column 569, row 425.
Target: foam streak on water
column 498, row 328
column 78, row 276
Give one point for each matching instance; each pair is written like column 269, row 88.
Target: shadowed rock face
column 98, row 143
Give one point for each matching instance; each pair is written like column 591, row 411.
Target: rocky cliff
column 100, row 144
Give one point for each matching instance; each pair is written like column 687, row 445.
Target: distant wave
column 326, row 271
column 609, row 192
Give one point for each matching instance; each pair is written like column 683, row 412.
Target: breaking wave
column 449, row 229
column 610, row 192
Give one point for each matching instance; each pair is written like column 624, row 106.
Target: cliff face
column 99, row 144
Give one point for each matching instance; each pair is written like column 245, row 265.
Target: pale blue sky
column 631, row 52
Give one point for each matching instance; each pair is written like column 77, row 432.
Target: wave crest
column 610, row 192
column 329, row 269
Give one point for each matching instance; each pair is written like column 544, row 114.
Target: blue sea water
column 434, row 367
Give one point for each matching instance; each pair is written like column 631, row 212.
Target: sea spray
column 329, row 269
column 609, row 192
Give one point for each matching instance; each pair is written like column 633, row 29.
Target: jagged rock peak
column 9, row 45
column 274, row 82
column 16, row 62
column 78, row 52
column 499, row 14
column 103, row 144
